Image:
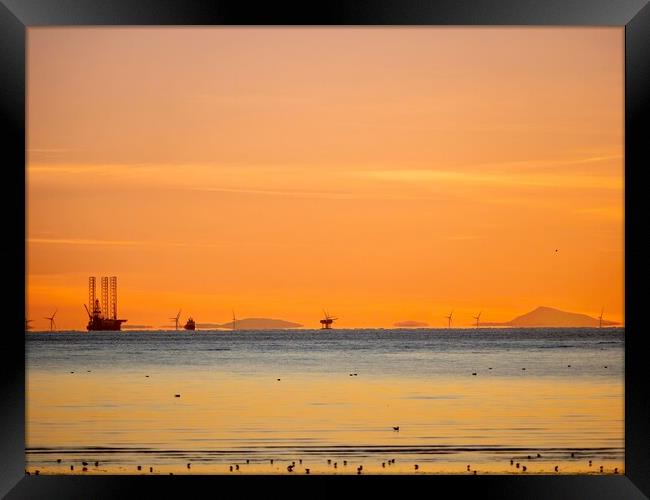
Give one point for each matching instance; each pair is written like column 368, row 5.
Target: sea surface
column 465, row 400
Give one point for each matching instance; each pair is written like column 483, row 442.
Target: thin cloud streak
column 497, row 179
column 72, row 241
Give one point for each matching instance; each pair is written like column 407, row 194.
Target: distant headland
column 410, row 324
column 256, row 324
column 550, row 317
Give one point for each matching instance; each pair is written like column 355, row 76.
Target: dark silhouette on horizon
column 326, row 323
column 551, row 317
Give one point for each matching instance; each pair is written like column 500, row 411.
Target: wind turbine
column 176, row 318
column 477, row 318
column 449, row 318
column 52, row 322
column 233, row 320
column 600, row 318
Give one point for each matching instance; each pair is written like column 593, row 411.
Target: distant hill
column 409, row 324
column 261, row 324
column 550, row 317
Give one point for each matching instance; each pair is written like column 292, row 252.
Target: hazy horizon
column 277, row 172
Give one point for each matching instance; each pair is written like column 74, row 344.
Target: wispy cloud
column 497, row 178
column 48, row 150
column 64, row 241
column 462, row 237
column 608, row 213
column 305, row 193
column 80, row 241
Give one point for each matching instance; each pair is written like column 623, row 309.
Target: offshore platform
column 326, row 323
column 103, row 316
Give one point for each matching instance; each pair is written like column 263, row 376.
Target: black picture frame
column 17, row 15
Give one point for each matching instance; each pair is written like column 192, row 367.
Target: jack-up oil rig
column 104, row 316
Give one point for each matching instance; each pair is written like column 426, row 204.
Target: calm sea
column 461, row 398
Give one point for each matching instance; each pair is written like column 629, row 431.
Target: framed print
column 352, row 244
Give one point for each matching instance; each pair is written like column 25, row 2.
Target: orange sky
column 386, row 174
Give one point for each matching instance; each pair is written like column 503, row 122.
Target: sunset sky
column 385, row 174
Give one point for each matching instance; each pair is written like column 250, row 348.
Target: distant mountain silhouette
column 550, row 317
column 206, row 326
column 409, row 324
column 261, row 324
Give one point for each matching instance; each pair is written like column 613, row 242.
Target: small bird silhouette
column 396, row 428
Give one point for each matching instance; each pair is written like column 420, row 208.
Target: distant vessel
column 103, row 317
column 190, row 325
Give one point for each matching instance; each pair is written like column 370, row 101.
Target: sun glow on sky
column 385, row 174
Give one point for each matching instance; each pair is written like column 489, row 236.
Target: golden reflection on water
column 258, row 417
